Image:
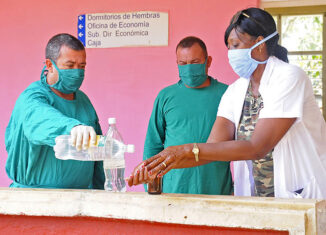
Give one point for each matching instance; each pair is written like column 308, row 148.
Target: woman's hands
column 170, row 158
column 220, row 147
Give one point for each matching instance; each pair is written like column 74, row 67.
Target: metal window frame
column 307, row 10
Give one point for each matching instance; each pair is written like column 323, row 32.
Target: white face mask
column 241, row 61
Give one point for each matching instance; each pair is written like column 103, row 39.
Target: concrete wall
column 41, row 211
column 121, row 82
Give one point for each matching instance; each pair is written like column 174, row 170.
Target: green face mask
column 193, row 75
column 69, row 80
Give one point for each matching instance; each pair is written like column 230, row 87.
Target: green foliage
column 312, row 65
column 302, row 32
column 305, row 33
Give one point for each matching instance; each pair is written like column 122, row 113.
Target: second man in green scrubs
column 185, row 113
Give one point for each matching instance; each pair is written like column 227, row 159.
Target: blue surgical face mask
column 193, row 75
column 69, row 80
column 241, row 61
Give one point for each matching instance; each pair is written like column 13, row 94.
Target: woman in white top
column 268, row 122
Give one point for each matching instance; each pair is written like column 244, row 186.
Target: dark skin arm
column 225, row 133
column 140, row 173
column 221, row 146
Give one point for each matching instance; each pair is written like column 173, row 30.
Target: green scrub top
column 186, row 115
column 39, row 116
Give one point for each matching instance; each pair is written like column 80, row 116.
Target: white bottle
column 103, row 149
column 114, row 161
column 65, row 151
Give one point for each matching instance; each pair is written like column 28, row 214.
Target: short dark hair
column 187, row 42
column 54, row 45
column 257, row 22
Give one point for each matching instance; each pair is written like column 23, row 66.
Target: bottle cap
column 112, row 121
column 130, row 148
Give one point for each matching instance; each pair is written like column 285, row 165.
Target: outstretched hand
column 139, row 175
column 170, row 158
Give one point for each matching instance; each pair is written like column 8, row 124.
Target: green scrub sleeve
column 42, row 123
column 155, row 137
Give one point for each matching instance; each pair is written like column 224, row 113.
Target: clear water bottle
column 114, row 161
column 100, row 151
column 65, row 151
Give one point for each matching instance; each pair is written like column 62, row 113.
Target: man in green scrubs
column 185, row 113
column 50, row 107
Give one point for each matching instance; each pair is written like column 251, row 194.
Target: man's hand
column 81, row 136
